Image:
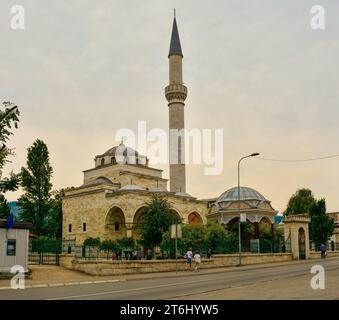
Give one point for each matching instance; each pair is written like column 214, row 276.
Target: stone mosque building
column 111, row 202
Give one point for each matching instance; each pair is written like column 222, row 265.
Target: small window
column 84, row 226
column 102, row 161
column 69, row 228
column 117, row 226
column 11, row 247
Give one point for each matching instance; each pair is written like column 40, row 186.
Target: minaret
column 176, row 94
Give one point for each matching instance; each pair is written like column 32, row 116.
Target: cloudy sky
column 81, row 70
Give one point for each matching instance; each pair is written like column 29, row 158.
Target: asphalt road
column 172, row 287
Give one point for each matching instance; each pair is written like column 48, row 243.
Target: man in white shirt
column 197, row 260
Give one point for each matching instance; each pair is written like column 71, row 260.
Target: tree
column 193, row 236
column 300, row 202
column 9, row 118
column 35, row 203
column 216, row 236
column 92, row 242
column 54, row 218
column 321, row 226
column 4, row 208
column 156, row 221
column 126, row 243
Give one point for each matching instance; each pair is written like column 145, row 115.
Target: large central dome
column 245, row 194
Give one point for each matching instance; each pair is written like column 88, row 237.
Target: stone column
column 292, row 225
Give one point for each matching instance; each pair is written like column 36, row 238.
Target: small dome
column 245, row 194
column 121, row 150
column 121, row 155
column 132, row 187
column 183, row 194
column 100, row 180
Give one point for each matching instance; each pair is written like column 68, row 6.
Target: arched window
column 102, row 161
column 116, row 226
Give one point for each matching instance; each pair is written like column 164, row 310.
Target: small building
column 13, row 245
column 254, row 205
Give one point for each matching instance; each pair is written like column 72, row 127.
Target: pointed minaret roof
column 175, row 46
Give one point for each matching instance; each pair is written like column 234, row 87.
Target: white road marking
column 126, row 290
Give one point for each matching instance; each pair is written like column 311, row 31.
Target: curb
column 64, row 284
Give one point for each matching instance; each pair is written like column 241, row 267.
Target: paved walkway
column 44, row 275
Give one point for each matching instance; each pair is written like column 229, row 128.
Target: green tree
column 4, row 208
column 126, row 243
column 156, row 221
column 35, row 203
column 92, row 242
column 300, row 202
column 54, row 218
column 110, row 245
column 167, row 245
column 321, row 226
column 216, row 237
column 9, row 119
column 193, row 236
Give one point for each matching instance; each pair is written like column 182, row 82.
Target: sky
column 82, row 70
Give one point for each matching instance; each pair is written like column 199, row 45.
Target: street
column 290, row 281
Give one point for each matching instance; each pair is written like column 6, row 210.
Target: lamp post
column 239, row 210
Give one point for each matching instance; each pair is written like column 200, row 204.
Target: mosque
column 111, row 201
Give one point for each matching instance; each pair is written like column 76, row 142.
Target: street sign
column 176, row 231
column 242, row 217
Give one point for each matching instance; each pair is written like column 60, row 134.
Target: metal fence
column 44, row 251
column 330, row 246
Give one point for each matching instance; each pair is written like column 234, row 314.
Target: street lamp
column 239, row 223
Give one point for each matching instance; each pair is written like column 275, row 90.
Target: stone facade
column 112, row 213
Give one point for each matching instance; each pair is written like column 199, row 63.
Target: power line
column 301, row 160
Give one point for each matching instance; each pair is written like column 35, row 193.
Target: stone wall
column 108, row 267
column 317, row 254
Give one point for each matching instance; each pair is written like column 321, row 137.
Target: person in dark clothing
column 323, row 250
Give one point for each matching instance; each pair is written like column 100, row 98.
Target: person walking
column 189, row 256
column 197, row 260
column 323, row 250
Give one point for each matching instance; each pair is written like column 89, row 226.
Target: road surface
column 290, row 281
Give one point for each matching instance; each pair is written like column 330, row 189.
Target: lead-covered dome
column 245, row 194
column 120, row 154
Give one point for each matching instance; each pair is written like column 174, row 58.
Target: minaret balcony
column 176, row 93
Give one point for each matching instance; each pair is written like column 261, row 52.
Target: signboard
column 255, row 246
column 176, row 231
column 242, row 217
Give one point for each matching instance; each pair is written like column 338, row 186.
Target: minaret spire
column 176, row 94
column 175, row 46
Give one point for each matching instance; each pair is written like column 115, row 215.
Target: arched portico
column 137, row 219
column 194, row 218
column 115, row 223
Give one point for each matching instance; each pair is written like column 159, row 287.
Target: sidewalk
column 44, row 275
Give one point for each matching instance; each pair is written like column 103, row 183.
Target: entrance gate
column 301, row 239
column 44, row 252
